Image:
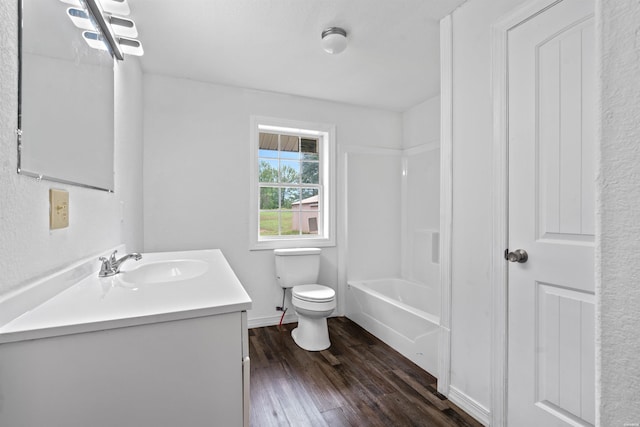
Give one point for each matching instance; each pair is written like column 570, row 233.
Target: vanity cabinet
column 178, row 373
column 186, row 367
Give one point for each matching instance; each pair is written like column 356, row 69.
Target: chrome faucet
column 111, row 266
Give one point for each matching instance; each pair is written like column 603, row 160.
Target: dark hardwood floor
column 358, row 381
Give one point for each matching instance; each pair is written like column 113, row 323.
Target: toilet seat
column 315, row 308
column 313, row 293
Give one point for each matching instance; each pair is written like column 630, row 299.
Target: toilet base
column 311, row 334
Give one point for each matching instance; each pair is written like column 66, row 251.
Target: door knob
column 519, row 255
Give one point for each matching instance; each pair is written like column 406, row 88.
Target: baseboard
column 259, row 322
column 292, row 317
column 470, row 406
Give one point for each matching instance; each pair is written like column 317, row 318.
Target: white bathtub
column 401, row 313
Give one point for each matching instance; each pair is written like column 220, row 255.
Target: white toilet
column 299, row 269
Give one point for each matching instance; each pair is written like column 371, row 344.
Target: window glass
column 309, row 148
column 309, row 173
column 268, row 170
column 289, row 171
column 286, row 163
column 293, row 190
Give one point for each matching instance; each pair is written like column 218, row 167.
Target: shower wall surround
column 421, row 192
column 393, row 203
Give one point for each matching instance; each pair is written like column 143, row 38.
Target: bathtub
column 403, row 314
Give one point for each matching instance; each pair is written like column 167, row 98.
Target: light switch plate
column 59, row 209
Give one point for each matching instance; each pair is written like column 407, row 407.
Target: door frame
column 498, row 272
column 446, row 202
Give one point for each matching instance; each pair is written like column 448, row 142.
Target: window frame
column 327, row 164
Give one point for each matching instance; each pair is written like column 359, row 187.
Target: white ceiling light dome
column 334, row 40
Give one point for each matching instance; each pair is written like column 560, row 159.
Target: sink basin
column 165, row 271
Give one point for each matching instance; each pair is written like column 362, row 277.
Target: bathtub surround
column 420, row 192
column 408, row 208
column 420, row 215
column 397, row 187
column 98, row 220
column 408, row 245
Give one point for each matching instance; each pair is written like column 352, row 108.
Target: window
column 291, row 194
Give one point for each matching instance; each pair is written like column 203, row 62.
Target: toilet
column 298, row 269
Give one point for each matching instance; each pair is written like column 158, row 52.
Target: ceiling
column 391, row 62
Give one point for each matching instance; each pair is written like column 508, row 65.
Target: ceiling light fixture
column 334, row 40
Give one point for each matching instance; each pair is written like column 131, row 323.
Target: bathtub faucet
column 111, row 266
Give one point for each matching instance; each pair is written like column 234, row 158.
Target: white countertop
column 95, row 303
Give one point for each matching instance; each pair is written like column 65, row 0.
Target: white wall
column 472, row 162
column 196, row 173
column 28, row 248
column 128, row 153
column 618, row 219
column 421, row 123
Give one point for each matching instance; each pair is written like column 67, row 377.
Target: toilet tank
column 300, row 266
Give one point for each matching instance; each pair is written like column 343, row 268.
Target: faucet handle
column 106, row 269
column 112, row 258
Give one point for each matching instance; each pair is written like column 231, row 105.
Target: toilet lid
column 314, row 293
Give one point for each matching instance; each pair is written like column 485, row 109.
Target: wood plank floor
column 358, row 381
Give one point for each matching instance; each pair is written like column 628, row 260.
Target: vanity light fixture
column 123, row 27
column 81, row 19
column 76, row 3
column 116, row 7
column 130, row 46
column 334, row 40
column 104, row 29
column 95, row 40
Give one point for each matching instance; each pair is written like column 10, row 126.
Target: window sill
column 264, row 245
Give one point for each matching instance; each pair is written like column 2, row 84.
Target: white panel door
column 551, row 95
